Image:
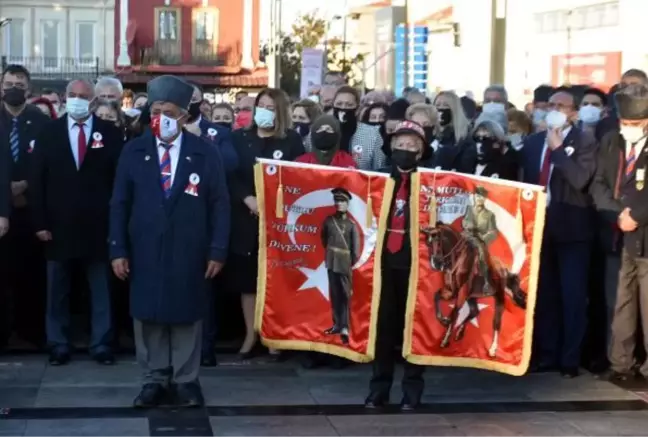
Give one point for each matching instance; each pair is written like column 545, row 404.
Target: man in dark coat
column 169, row 230
column 407, row 149
column 70, row 185
column 626, row 197
column 22, row 262
column 341, row 241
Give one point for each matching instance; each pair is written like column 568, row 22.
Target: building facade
column 58, row 42
column 213, row 42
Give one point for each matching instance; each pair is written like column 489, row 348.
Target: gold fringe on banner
column 519, row 219
column 369, row 214
column 432, row 219
column 279, row 205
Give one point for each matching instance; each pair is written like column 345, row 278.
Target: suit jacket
column 452, row 156
column 73, row 203
column 365, row 147
column 606, row 187
column 5, row 178
column 249, row 146
column 505, row 167
column 169, row 241
column 30, row 123
column 221, row 137
column 403, row 258
column 569, row 216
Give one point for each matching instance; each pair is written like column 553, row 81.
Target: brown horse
column 452, row 254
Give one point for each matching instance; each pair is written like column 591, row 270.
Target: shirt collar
column 176, row 143
column 72, row 122
column 197, row 121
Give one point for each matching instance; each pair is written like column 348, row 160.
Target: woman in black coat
column 454, row 148
column 270, row 136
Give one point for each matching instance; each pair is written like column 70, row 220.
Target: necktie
column 630, row 161
column 165, row 170
column 396, row 231
column 14, row 140
column 82, row 143
column 546, row 169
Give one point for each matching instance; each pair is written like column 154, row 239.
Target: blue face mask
column 264, row 118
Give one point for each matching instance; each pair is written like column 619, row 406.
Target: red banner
column 321, row 231
column 475, row 268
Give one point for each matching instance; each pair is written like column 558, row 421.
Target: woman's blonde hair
column 283, row 117
column 312, row 109
column 460, row 122
column 423, row 108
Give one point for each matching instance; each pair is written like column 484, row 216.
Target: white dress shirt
column 73, row 134
column 551, row 167
column 174, row 153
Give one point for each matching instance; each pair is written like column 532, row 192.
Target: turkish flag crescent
column 321, row 231
column 475, row 264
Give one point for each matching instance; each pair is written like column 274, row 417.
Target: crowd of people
column 150, row 198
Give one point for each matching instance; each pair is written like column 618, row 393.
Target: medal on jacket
column 357, row 152
column 211, row 133
column 32, row 143
column 96, row 141
column 192, row 187
column 640, row 177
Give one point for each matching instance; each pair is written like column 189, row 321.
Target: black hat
column 481, row 191
column 397, row 110
column 341, row 194
column 542, row 93
column 632, row 102
column 410, row 128
column 171, row 89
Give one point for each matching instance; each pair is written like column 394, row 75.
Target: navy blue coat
column 223, row 141
column 169, row 241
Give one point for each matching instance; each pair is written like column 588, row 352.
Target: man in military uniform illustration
column 480, row 230
column 341, row 241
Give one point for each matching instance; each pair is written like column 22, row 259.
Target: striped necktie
column 14, row 140
column 630, row 161
column 165, row 170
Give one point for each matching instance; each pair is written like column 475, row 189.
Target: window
column 85, row 52
column 611, row 15
column 537, row 21
column 594, row 17
column 50, row 43
column 550, row 22
column 167, row 36
column 204, row 43
column 577, row 19
column 15, row 41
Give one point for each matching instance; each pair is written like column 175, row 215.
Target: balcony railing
column 43, row 67
column 169, row 53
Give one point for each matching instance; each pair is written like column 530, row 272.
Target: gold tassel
column 279, row 206
column 369, row 214
column 432, row 219
column 519, row 219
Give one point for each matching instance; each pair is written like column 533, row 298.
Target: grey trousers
column 168, row 353
column 632, row 297
column 612, row 269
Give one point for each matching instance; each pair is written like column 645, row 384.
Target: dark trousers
column 58, row 304
column 22, row 282
column 391, row 316
column 339, row 291
column 210, row 327
column 561, row 308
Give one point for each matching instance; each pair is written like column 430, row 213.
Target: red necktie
column 396, row 230
column 83, row 143
column 545, row 171
column 630, row 161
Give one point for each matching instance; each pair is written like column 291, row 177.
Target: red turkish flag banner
column 476, row 258
column 321, row 231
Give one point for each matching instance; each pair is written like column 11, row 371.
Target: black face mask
column 404, row 159
column 324, row 141
column 302, row 129
column 445, row 116
column 487, row 152
column 224, row 124
column 194, row 110
column 429, row 134
column 14, row 96
column 346, row 117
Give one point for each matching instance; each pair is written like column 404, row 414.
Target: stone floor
column 265, row 398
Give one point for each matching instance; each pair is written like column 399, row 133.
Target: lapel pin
column 147, row 157
column 188, row 158
column 28, row 121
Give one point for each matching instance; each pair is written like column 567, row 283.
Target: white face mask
column 516, row 141
column 77, row 108
column 493, row 107
column 589, row 114
column 632, row 133
column 556, row 119
column 168, row 127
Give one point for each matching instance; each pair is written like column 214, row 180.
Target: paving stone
column 394, row 425
column 87, row 427
column 508, row 424
column 603, row 423
column 18, row 397
column 257, row 391
column 86, row 397
column 12, row 427
column 272, row 426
